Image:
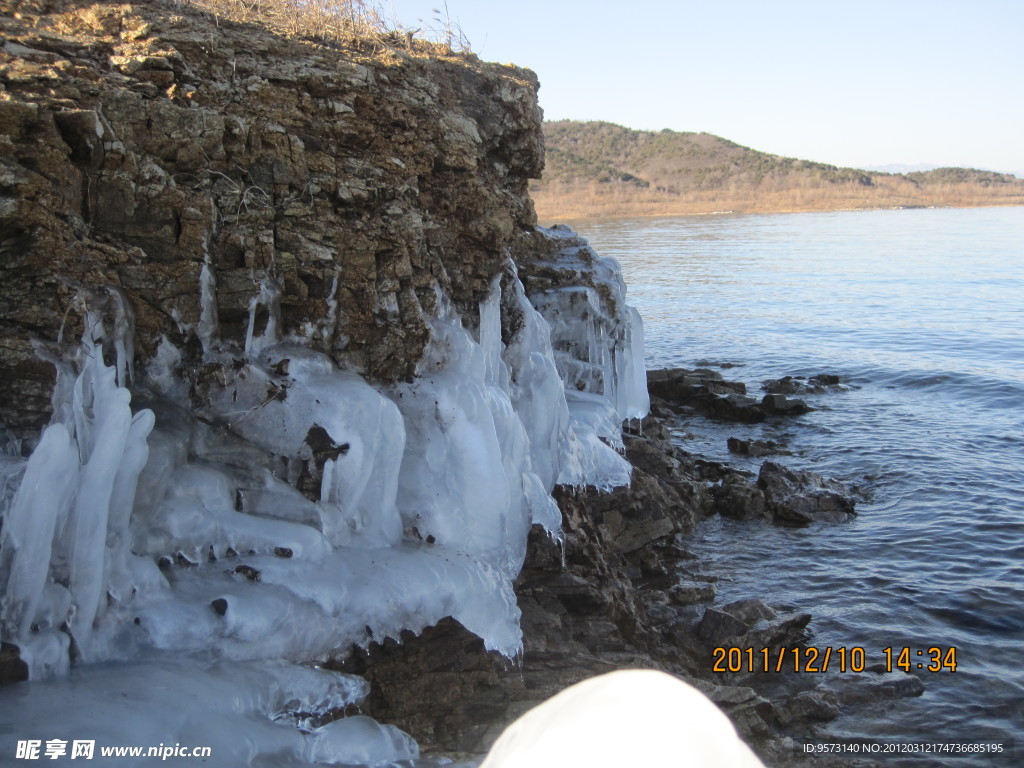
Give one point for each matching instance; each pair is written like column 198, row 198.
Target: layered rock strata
column 143, row 144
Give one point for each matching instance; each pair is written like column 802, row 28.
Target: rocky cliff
column 143, row 141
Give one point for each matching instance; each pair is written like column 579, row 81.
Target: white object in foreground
column 631, row 717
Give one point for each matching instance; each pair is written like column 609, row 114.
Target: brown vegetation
column 330, row 19
column 601, row 169
column 345, row 22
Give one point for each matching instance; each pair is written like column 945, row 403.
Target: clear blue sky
column 863, row 83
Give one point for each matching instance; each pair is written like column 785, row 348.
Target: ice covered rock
column 597, row 337
column 597, row 343
column 535, row 387
column 294, row 403
column 461, row 482
column 68, row 522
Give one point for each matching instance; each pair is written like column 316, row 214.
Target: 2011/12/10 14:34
column 841, row 659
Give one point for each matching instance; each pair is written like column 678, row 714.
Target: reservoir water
column 921, row 314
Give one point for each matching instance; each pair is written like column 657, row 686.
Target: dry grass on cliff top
column 340, row 21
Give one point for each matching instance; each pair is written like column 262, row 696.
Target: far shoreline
column 547, row 219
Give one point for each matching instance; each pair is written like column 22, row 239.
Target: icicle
column 329, row 325
column 495, row 372
column 268, row 297
column 117, row 571
column 109, row 420
column 46, row 494
column 632, row 400
column 207, row 330
column 124, row 336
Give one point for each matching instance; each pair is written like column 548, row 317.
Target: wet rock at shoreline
column 752, row 623
column 782, row 495
column 707, row 393
column 739, row 498
column 780, row 404
column 798, row 385
column 808, row 707
column 692, row 593
column 799, row 497
column 756, row 448
column 12, row 668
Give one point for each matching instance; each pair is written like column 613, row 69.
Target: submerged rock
column 874, row 688
column 798, row 385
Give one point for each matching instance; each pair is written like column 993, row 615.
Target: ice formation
column 598, row 349
column 299, row 510
column 263, row 713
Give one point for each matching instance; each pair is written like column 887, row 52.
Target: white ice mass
column 215, row 555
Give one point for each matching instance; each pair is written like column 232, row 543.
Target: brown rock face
column 140, row 142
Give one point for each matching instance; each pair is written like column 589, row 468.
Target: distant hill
column 602, row 169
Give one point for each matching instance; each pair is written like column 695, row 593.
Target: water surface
column 922, row 313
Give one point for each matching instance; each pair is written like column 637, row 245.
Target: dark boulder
column 780, row 404
column 752, row 623
column 798, row 385
column 799, row 497
column 755, row 448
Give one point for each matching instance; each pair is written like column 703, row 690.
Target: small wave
column 987, row 390
column 1000, row 620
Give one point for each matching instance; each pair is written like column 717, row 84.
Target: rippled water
column 923, row 312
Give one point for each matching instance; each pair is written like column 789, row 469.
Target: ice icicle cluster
column 467, row 477
column 274, row 506
column 64, row 549
column 597, row 342
column 598, row 339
